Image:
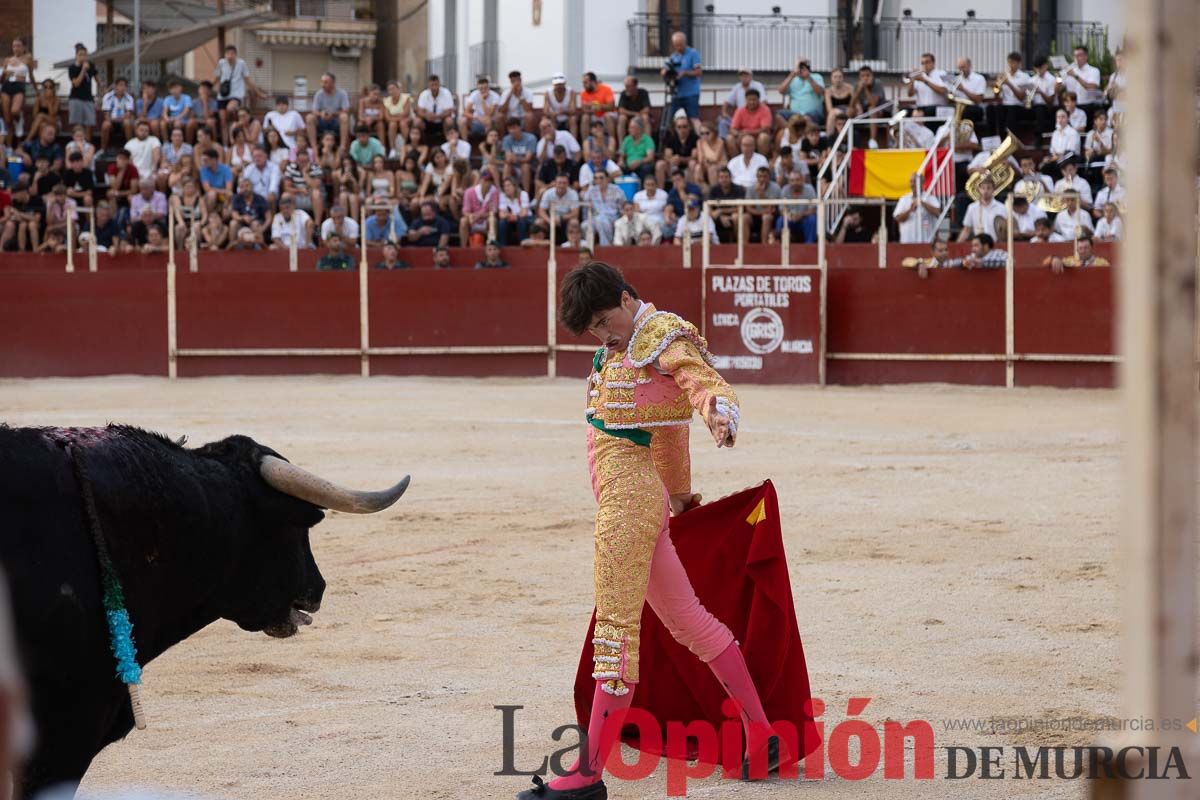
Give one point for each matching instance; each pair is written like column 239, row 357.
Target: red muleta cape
column 733, row 553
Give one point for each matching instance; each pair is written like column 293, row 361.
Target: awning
column 173, row 44
column 169, row 15
column 297, row 38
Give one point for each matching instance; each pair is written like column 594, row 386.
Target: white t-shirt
column 927, row 96
column 1065, row 223
column 475, row 102
column 982, row 219
column 285, row 123
column 569, row 143
column 461, row 150
column 512, row 101
column 974, row 83
column 436, row 105
column 586, row 173
column 1088, row 73
column 1106, row 196
column 696, row 228
column 743, row 174
column 141, row 154
column 652, row 207
column 737, row 95
column 348, row 232
column 919, row 225
column 1063, row 141
column 1026, row 222
column 1079, row 185
column 1022, row 80
column 1037, row 177
column 1077, row 119
column 1114, row 231
column 117, row 107
column 515, row 205
column 284, row 231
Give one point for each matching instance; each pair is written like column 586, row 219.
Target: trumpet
column 908, row 79
column 998, row 86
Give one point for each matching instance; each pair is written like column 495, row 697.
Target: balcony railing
column 773, row 43
column 485, row 60
column 300, row 9
column 445, row 67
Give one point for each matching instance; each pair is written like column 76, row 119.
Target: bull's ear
column 282, row 510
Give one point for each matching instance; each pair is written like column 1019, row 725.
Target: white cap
column 680, row 114
column 558, row 79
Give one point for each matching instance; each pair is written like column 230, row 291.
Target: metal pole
column 883, row 235
column 823, row 347
column 741, row 251
column 136, row 83
column 364, row 301
column 821, row 232
column 551, row 304
column 172, row 344
column 1009, row 304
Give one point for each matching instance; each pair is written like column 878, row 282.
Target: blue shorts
column 689, row 104
column 478, row 128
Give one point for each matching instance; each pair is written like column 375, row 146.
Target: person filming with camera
column 682, row 75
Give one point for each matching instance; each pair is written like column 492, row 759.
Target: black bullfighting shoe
column 542, row 791
column 772, row 762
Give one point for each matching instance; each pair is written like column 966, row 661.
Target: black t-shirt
column 550, row 169
column 81, row 181
column 45, row 184
column 107, row 233
column 84, row 90
column 859, row 234
column 684, row 148
column 735, row 192
column 639, row 102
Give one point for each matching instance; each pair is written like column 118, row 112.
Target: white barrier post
column 172, row 345
column 364, row 304
column 705, row 244
column 821, row 231
column 785, row 241
column 1009, row 306
column 70, row 242
column 92, row 241
column 194, row 248
column 293, row 243
column 883, row 235
column 741, row 251
column 551, row 304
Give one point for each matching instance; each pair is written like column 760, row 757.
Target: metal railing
column 445, row 67
column 300, row 9
column 485, row 60
column 987, row 42
column 766, row 42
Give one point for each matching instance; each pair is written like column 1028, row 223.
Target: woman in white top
column 80, row 144
column 1110, row 228
column 277, row 151
column 240, row 152
column 1064, row 142
column 15, row 72
column 514, row 214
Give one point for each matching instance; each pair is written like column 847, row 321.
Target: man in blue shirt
column 805, row 92
column 685, row 61
column 681, row 187
column 148, row 107
column 519, row 148
column 217, row 180
column 176, row 110
column 385, row 226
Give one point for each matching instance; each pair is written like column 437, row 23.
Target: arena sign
column 764, row 325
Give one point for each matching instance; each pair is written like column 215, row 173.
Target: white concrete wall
column 57, row 26
column 538, row 52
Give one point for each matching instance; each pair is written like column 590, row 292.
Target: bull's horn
column 299, row 483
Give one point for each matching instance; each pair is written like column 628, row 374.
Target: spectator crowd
column 500, row 166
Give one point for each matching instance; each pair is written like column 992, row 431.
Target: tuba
column 996, row 168
column 963, row 128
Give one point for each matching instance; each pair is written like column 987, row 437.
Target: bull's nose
column 311, row 606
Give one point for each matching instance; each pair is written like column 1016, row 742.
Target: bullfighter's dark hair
column 595, row 286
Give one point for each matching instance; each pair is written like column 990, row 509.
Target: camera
column 671, row 71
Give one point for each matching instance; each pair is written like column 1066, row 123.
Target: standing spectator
column 684, row 63
column 365, row 147
column 560, row 106
column 232, row 77
column 284, row 119
column 339, row 224
column 391, row 258
column 679, row 148
column 650, row 201
column 1072, row 221
column 1111, row 192
column 725, row 217
column 604, row 206
column 385, row 226
column 335, row 258
column 177, row 110
column 1082, row 79
column 637, row 150
column 514, row 213
column 694, row 225
column 761, row 218
column 982, row 215
column 216, row 179
column 805, row 93
column 630, row 226
column 634, row 103
column 516, row 103
column 81, row 103
column 519, row 148
column 431, row 229
column 1110, row 228
column 916, row 213
column 754, row 120
column 331, row 111
column 16, row 72
column 551, row 138
column 435, row 110
column 597, row 104
column 117, row 106
column 479, row 203
column 930, row 86
column 744, row 167
column 249, row 212
column 1045, row 96
column 561, row 202
column 398, row 107
column 480, row 111
column 263, row 176
column 491, row 257
column 1015, row 86
column 737, row 99
column 144, row 150
column 801, row 220
column 290, row 225
column 370, row 112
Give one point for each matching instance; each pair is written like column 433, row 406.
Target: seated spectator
column 480, row 109
column 338, row 223
column 1098, row 145
column 117, row 109
column 122, row 180
column 391, row 258
column 985, row 255
column 804, row 90
column 291, row 226
column 574, row 238
column 669, row 224
column 490, row 155
column 694, row 224
column 455, row 147
column 335, row 258
column 852, row 229
column 679, row 191
column 214, row 235
column 645, row 239
column 679, row 148
column 60, row 208
column 630, row 226
column 1043, row 232
column 744, row 167
column 174, row 150
column 108, row 231
column 761, row 218
column 552, row 167
column 559, row 203
column 176, row 110
column 330, row 112
column 516, row 103
column 479, row 203
column 205, row 141
column 441, row 257
column 559, row 104
column 604, row 206
column 216, row 179
column 1026, row 216
column 381, row 182
column 79, row 181
column 1075, row 115
column 1063, row 144
column 205, row 111
column 22, row 221
column 249, row 211
column 737, row 99
column 597, row 104
column 370, row 112
column 1072, row 221
column 585, row 256
column 708, row 158
column 433, row 180
column 939, row 257
column 539, row 236
column 384, row 226
column 982, row 214
column 304, row 183
column 514, row 214
column 277, row 151
column 725, row 217
column 398, row 108
column 148, row 108
column 245, row 240
column 435, row 111
column 55, row 242
column 365, row 146
column 188, row 209
column 286, row 120
column 553, row 138
column 754, row 120
column 801, row 220
column 431, row 229
column 1110, row 228
column 147, row 208
column 1084, row 256
column 868, row 95
column 1030, row 180
column 264, row 177
column 491, row 257
column 597, row 139
column 1111, row 192
column 46, row 144
column 1070, row 181
column 637, row 150
column 650, row 201
column 634, row 103
column 520, row 149
column 145, row 151
column 599, row 162
column 785, row 164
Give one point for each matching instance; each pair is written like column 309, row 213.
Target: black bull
column 195, row 535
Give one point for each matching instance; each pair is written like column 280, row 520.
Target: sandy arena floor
column 951, row 554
